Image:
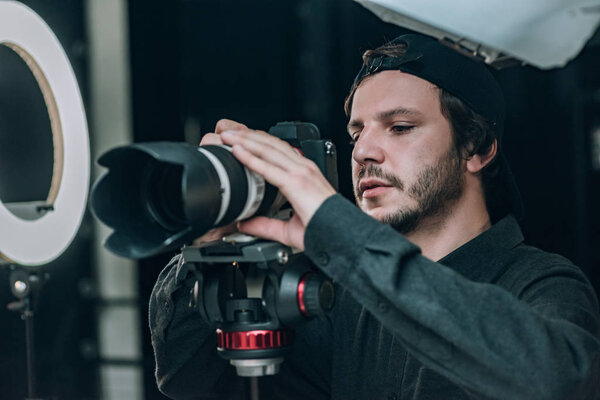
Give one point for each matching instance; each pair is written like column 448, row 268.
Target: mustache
column 375, row 171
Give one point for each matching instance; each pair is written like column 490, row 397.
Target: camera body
column 159, row 196
column 306, row 138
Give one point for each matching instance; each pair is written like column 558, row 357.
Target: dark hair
column 473, row 134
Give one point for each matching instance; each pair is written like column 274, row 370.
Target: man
column 436, row 302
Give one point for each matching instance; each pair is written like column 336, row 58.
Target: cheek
column 354, row 167
column 419, row 156
column 403, row 163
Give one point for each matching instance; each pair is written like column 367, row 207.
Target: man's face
column 405, row 166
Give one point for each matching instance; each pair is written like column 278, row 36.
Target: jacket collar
column 485, row 257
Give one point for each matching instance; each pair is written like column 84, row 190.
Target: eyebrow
column 385, row 115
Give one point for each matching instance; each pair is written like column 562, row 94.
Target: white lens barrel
column 256, row 194
column 256, row 188
column 224, row 179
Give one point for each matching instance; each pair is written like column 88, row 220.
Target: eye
column 400, row 129
column 354, row 137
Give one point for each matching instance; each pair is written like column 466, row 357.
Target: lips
column 371, row 187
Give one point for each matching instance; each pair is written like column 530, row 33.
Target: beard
column 435, row 189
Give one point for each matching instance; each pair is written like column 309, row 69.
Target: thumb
column 290, row 233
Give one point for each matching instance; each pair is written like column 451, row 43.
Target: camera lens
column 159, row 196
column 162, row 196
column 243, row 193
column 232, row 184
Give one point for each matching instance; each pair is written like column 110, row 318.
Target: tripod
column 26, row 285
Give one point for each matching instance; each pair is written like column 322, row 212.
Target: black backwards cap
column 463, row 77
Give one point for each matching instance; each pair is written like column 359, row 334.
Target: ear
column 478, row 161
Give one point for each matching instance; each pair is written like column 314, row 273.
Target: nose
column 368, row 148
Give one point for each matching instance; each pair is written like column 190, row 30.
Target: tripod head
column 254, row 293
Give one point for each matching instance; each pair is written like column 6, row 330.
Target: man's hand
column 298, row 179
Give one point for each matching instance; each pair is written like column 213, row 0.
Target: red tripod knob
column 253, row 340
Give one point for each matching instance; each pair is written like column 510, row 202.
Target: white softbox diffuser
column 543, row 33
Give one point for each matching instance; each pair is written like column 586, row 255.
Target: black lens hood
column 120, row 197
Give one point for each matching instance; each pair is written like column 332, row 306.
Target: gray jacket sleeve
column 539, row 341
column 187, row 364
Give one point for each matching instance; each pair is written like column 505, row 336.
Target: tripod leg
column 26, row 287
column 29, row 344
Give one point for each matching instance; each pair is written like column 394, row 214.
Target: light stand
column 26, row 286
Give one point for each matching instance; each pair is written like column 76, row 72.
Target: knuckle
column 309, row 167
column 301, row 173
column 312, row 166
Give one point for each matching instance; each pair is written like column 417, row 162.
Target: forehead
column 395, row 89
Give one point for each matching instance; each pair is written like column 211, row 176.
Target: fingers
column 266, row 147
column 267, row 228
column 211, row 138
column 262, row 140
column 215, row 234
column 228, row 125
column 298, row 178
column 290, row 233
column 273, row 170
column 222, row 126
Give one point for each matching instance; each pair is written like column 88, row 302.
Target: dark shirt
column 494, row 319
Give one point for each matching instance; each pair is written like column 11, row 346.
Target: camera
column 159, row 196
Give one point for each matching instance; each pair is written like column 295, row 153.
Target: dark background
column 194, row 62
